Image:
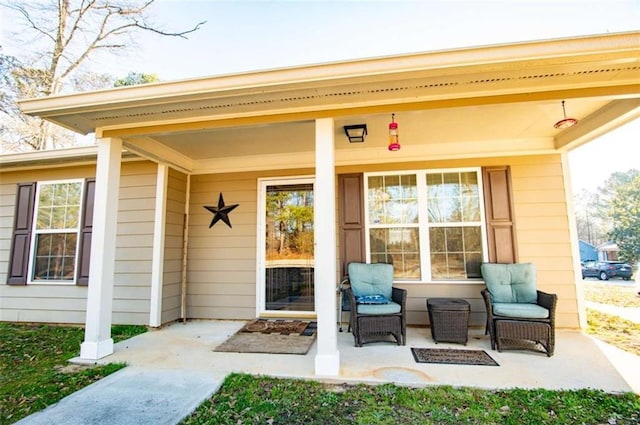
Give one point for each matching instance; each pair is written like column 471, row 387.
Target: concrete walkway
column 173, row 369
column 133, row 396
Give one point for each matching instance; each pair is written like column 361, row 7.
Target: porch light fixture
column 356, row 133
column 565, row 122
column 394, row 144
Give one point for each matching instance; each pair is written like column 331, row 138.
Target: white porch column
column 157, row 265
column 328, row 356
column 97, row 337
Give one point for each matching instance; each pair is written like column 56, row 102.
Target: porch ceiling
column 472, row 124
column 477, row 101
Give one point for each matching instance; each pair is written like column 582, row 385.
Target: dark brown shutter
column 86, row 226
column 351, row 204
column 499, row 214
column 21, row 240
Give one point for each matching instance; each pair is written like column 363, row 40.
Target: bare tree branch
column 31, row 23
column 66, row 34
column 171, row 34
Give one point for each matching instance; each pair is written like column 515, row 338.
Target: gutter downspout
column 185, row 243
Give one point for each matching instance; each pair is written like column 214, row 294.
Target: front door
column 285, row 250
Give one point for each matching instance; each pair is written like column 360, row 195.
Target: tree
column 612, row 214
column 64, row 34
column 592, row 224
column 135, row 78
column 290, row 224
column 20, row 132
column 624, row 211
column 7, row 64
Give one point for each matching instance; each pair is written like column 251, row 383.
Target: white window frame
column 35, row 232
column 424, row 225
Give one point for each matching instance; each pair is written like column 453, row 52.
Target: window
column 428, row 224
column 52, row 232
column 393, row 223
column 56, row 231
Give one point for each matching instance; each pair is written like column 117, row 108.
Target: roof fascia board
column 579, row 48
column 609, row 117
column 67, row 157
column 298, row 114
column 48, row 155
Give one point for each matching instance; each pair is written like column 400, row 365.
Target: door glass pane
column 289, row 238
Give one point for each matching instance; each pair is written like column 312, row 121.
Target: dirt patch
column 71, row 368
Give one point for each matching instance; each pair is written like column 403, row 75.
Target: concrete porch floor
column 579, row 361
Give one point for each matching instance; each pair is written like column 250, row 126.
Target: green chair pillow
column 510, row 283
column 371, row 279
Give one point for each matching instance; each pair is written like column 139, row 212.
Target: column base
column 90, row 350
column 328, row 364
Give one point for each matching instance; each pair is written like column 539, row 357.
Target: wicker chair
column 380, row 309
column 518, row 315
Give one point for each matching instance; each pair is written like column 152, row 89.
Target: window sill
column 439, row 282
column 52, row 283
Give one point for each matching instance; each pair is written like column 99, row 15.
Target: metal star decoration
column 221, row 212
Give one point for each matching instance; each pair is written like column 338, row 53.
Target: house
column 588, row 252
column 238, row 196
column 608, row 251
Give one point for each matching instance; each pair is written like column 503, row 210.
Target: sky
column 241, row 36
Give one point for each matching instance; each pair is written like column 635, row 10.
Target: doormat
column 452, row 356
column 272, row 337
column 283, row 327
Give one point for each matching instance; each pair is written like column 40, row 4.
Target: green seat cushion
column 371, row 279
column 521, row 310
column 510, row 283
column 378, row 309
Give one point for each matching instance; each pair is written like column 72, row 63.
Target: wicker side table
column 449, row 319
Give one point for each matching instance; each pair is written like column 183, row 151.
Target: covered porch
column 466, row 109
column 580, row 361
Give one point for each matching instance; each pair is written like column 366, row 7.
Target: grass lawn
column 613, row 329
column 246, row 399
column 34, row 371
column 611, row 292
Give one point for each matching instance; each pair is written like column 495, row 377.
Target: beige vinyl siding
column 36, row 302
column 134, row 243
column 222, row 260
column 542, row 231
column 173, row 241
column 67, row 303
